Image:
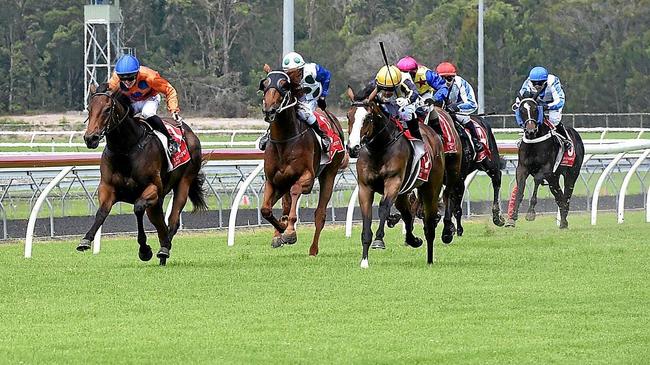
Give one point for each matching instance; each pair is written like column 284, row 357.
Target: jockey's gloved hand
column 321, row 103
column 453, row 108
column 402, row 102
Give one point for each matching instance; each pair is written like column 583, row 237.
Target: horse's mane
column 365, row 93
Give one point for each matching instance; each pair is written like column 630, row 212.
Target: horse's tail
column 197, row 193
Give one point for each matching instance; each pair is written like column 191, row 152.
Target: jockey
column 551, row 97
column 315, row 82
column 397, row 96
column 461, row 101
column 431, row 88
column 144, row 86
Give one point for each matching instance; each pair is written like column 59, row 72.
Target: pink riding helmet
column 407, row 64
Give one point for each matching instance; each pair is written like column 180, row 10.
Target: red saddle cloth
column 448, row 142
column 569, row 155
column 425, row 161
column 183, row 155
column 482, row 139
column 336, row 144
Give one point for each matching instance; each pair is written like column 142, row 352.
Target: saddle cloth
column 420, row 163
column 336, row 144
column 565, row 157
column 448, row 142
column 482, row 139
column 179, row 158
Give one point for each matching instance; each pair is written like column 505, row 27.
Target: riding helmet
column 538, row 73
column 446, row 69
column 388, row 77
column 407, row 64
column 127, row 64
column 292, row 60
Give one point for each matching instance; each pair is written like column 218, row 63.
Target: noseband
column 113, row 121
column 288, row 100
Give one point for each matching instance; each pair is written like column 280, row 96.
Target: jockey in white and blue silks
column 551, row 97
column 315, row 82
column 461, row 101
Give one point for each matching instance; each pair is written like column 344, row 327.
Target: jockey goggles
column 539, row 82
column 449, row 78
column 128, row 77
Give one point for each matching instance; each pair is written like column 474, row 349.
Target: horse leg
column 403, row 204
column 271, row 196
column 180, row 198
column 289, row 236
column 157, row 218
column 494, row 173
column 149, row 198
column 430, row 194
column 531, row 214
column 326, row 182
column 522, row 174
column 391, row 189
column 458, row 208
column 569, row 182
column 106, row 195
column 448, row 229
column 366, row 197
column 560, row 200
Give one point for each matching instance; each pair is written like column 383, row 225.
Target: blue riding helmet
column 127, row 64
column 538, row 73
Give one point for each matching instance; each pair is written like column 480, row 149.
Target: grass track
column 529, row 295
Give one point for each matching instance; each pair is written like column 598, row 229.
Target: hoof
column 510, row 223
column 378, row 244
column 460, row 231
column 146, row 254
column 364, row 264
column 290, row 238
column 564, row 225
column 417, row 242
column 277, row 242
column 393, row 220
column 498, row 220
column 84, row 245
column 447, row 238
column 530, row 216
column 163, row 255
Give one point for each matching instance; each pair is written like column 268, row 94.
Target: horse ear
column 350, row 93
column 267, row 68
column 93, row 88
column 373, row 95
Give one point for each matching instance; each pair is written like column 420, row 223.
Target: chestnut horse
column 291, row 160
column 383, row 166
column 134, row 170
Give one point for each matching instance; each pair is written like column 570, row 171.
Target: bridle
column 113, row 121
column 288, row 99
column 365, row 142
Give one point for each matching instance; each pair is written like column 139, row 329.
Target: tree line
column 213, row 50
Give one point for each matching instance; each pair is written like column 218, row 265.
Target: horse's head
column 276, row 88
column 529, row 113
column 360, row 118
column 106, row 110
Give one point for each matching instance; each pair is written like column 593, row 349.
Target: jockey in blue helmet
column 143, row 86
column 551, row 97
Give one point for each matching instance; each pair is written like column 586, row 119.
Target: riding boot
column 414, row 128
column 434, row 123
column 565, row 135
column 324, row 137
column 264, row 140
column 156, row 123
column 475, row 139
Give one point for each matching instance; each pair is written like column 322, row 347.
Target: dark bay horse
column 538, row 157
column 134, row 170
column 382, row 167
column 491, row 165
column 292, row 159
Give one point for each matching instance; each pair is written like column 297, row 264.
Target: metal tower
column 102, row 44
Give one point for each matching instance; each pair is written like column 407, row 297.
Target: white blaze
column 355, row 135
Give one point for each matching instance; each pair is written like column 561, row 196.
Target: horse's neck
column 383, row 134
column 125, row 136
column 287, row 125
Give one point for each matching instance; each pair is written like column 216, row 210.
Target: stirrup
column 478, row 146
column 264, row 140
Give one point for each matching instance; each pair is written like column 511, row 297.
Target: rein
column 368, row 143
column 111, row 125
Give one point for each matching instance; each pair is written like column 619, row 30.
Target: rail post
column 599, row 183
column 235, row 204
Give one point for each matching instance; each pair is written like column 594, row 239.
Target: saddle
column 183, row 155
column 465, row 135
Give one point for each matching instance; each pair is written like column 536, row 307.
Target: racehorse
column 292, row 160
column 383, row 167
column 491, row 163
column 542, row 156
column 134, row 170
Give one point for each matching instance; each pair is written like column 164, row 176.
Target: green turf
column 532, row 294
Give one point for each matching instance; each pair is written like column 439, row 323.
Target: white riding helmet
column 292, row 60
